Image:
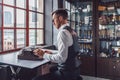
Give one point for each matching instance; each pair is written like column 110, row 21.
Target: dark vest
column 70, row 63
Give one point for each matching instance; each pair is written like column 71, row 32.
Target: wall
column 48, row 22
column 50, row 31
column 55, row 31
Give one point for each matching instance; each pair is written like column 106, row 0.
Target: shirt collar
column 64, row 25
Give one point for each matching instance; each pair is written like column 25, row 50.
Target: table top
column 11, row 59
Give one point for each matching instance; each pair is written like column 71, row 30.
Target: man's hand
column 48, row 51
column 38, row 52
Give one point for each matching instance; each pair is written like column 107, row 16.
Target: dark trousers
column 57, row 75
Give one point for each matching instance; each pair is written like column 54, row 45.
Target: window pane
column 10, row 2
column 40, row 5
column 21, row 3
column 36, row 5
column 35, row 20
column 32, row 19
column 20, row 38
column 32, row 35
column 40, row 36
column 40, row 21
column 32, row 5
column 20, row 21
column 8, row 40
column 8, row 17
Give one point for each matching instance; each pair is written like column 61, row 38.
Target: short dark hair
column 61, row 12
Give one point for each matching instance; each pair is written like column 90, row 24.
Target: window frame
column 15, row 28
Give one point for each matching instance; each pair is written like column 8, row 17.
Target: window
column 21, row 24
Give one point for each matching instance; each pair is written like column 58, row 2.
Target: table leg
column 15, row 73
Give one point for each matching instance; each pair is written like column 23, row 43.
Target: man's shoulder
column 63, row 31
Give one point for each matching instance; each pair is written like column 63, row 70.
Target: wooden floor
column 92, row 78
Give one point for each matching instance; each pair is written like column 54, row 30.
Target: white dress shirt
column 64, row 40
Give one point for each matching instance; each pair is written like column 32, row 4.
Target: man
column 66, row 54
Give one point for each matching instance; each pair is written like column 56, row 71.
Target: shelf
column 109, row 39
column 109, row 24
column 88, row 41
